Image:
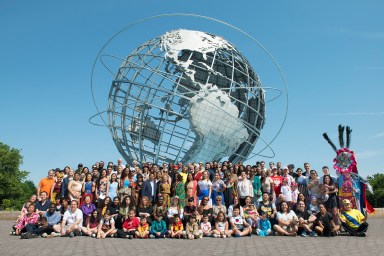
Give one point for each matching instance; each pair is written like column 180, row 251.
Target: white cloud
column 369, row 154
column 379, row 135
column 370, row 68
column 361, row 34
column 354, row 114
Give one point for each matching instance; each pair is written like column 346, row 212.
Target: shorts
column 66, row 227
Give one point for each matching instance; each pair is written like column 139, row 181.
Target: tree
column 14, row 185
column 377, row 183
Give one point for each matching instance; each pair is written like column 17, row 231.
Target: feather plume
column 325, row 135
column 341, row 135
column 349, row 131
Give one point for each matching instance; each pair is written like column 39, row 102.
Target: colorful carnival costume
column 352, row 186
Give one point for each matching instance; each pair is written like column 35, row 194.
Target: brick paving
column 373, row 244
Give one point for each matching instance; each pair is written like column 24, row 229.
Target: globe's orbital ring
column 207, row 18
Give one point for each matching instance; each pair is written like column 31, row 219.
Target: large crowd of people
column 188, row 201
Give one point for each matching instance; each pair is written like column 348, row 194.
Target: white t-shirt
column 238, row 221
column 284, row 217
column 287, row 192
column 71, row 217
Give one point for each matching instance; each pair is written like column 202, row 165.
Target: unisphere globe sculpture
column 186, row 96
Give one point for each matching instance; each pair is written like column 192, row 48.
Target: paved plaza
column 373, row 244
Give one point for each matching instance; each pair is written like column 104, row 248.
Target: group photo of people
column 192, row 201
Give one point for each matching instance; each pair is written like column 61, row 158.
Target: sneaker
column 12, row 233
column 313, row 234
column 361, row 234
column 93, row 235
column 258, row 232
column 224, row 236
column 71, row 234
column 238, row 235
column 151, row 236
column 130, row 236
column 28, row 236
column 303, row 234
column 44, row 235
column 77, row 233
column 216, row 235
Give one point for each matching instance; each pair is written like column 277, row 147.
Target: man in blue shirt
column 43, row 205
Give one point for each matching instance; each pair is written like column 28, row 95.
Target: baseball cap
column 346, row 201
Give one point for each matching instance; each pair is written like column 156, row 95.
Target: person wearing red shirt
column 129, row 226
column 277, row 181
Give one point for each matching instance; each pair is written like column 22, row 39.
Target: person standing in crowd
column 329, row 195
column 230, row 181
column 46, row 184
column 313, row 185
column 256, row 183
column 191, row 188
column 301, row 181
column 245, row 188
column 307, row 168
column 325, row 170
column 277, row 182
column 287, row 176
column 74, row 188
column 218, row 187
column 165, row 189
column 113, row 186
column 56, row 187
column 64, row 185
column 149, row 189
column 88, row 187
column 179, row 189
column 205, row 187
column 102, row 187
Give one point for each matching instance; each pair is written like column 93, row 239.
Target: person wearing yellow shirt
column 353, row 221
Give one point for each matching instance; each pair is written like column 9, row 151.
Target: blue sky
column 331, row 53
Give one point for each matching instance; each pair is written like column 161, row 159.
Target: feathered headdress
column 345, row 158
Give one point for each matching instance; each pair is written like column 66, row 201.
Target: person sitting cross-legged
column 45, row 226
column 352, row 220
column 72, row 221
